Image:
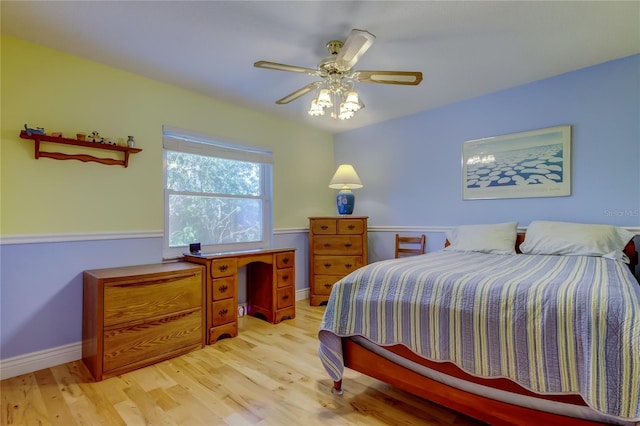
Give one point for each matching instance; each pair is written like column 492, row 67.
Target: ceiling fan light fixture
column 324, row 99
column 345, row 114
column 352, row 102
column 336, row 95
column 315, row 110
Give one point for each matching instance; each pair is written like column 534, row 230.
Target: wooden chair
column 410, row 246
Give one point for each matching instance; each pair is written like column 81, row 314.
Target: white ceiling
column 463, row 48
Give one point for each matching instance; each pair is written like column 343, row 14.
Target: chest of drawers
column 337, row 247
column 139, row 315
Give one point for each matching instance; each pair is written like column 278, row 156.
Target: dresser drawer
column 285, row 260
column 350, row 226
column 223, row 312
column 336, row 265
column 138, row 298
column 285, row 277
column 322, row 284
column 324, row 226
column 285, row 297
column 223, row 267
column 151, row 341
column 343, row 244
column 223, row 288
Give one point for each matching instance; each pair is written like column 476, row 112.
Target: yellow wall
column 61, row 92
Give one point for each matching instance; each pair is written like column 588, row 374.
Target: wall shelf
column 81, row 157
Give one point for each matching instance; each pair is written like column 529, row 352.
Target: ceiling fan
column 336, row 91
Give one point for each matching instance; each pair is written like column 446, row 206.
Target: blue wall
column 41, row 285
column 411, row 166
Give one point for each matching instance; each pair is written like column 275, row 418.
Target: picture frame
column 535, row 163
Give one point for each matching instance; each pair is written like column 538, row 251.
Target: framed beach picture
column 519, row 165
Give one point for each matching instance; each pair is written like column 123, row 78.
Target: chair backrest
column 410, row 246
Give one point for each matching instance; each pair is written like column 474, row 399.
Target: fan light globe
column 324, row 99
column 352, row 103
column 345, row 114
column 315, row 110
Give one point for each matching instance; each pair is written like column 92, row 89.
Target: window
column 215, row 193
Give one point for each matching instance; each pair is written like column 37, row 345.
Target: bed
column 540, row 328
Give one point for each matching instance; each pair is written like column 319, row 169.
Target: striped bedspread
column 554, row 324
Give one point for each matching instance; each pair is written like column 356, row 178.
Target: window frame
column 181, row 140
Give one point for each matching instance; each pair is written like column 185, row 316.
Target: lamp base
column 345, row 201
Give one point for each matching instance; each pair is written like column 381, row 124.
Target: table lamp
column 345, row 179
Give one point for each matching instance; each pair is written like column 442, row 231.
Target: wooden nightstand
column 337, row 247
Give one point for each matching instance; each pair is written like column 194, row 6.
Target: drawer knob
column 351, row 226
column 327, row 265
column 223, row 312
column 285, row 297
column 324, row 227
column 348, row 265
column 327, row 285
column 223, row 288
column 285, row 260
column 223, row 268
column 327, row 245
column 348, row 245
column 285, row 277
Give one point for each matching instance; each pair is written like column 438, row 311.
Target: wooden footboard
column 485, row 409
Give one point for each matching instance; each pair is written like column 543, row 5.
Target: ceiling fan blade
column 412, row 78
column 354, row 47
column 298, row 93
column 284, row 67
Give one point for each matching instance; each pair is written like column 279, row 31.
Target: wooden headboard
column 629, row 250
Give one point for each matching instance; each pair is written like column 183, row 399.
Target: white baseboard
column 35, row 361
column 302, row 294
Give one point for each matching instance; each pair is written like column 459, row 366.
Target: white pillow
column 566, row 238
column 499, row 238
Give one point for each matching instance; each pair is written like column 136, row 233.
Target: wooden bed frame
column 358, row 358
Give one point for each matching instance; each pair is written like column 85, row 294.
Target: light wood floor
column 268, row 375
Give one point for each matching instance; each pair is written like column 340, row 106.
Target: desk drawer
column 285, row 297
column 151, row 341
column 223, row 267
column 285, row 260
column 223, row 312
column 223, row 288
column 285, row 277
column 140, row 298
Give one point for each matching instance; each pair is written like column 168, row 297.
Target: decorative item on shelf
column 95, row 137
column 345, row 179
column 34, row 130
column 56, row 134
column 81, row 136
column 109, row 141
column 131, row 143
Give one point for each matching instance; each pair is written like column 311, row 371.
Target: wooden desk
column 270, row 290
